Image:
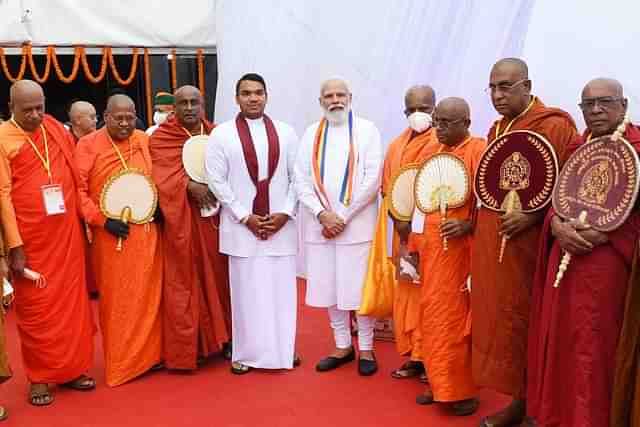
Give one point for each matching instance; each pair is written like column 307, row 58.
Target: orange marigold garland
column 103, row 66
column 174, row 72
column 201, row 71
column 132, row 73
column 147, row 87
column 74, row 69
column 34, row 70
column 23, row 65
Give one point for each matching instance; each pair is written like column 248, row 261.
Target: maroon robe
column 574, row 329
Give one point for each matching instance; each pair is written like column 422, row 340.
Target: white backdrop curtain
column 381, row 47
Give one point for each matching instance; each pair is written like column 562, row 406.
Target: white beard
column 337, row 116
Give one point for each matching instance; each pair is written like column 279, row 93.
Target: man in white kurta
column 258, row 233
column 340, row 218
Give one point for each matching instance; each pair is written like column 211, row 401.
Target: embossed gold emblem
column 596, row 184
column 515, row 172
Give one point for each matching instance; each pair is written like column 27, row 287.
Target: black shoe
column 367, row 367
column 331, row 362
column 227, row 350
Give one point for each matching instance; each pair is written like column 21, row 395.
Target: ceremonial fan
column 441, row 183
column 598, row 186
column 402, row 195
column 516, row 173
column 129, row 196
column 193, row 159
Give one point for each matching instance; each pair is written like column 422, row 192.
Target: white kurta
column 262, row 273
column 336, row 267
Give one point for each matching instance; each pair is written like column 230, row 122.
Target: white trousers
column 342, row 329
column 263, row 310
column 335, row 274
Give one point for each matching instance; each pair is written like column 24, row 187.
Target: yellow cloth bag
column 380, row 282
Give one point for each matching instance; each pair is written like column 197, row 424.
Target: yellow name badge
column 53, row 199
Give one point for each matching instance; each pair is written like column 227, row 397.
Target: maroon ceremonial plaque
column 601, row 179
column 517, row 172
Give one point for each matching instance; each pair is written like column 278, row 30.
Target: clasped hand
column 332, row 224
column 201, row 194
column 575, row 237
column 266, row 226
column 515, row 223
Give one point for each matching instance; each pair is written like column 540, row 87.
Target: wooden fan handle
column 503, row 246
column 564, row 264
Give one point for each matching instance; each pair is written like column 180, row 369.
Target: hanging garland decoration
column 34, row 70
column 103, row 66
column 132, row 73
column 23, row 65
column 201, row 71
column 74, row 69
column 147, row 87
column 174, row 72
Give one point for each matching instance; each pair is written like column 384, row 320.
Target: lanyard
column 117, row 150
column 46, row 162
column 189, row 133
column 533, row 99
column 443, row 147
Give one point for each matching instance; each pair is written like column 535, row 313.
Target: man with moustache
column 576, row 328
column 337, row 179
column 43, row 234
column 500, row 296
column 250, row 167
column 413, row 145
column 197, row 312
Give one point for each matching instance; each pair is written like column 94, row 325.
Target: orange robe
column 55, row 323
column 407, row 148
column 130, row 281
column 445, row 304
column 501, row 292
column 197, row 306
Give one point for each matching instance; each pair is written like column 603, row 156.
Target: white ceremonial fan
column 441, row 183
column 193, row 153
column 193, row 160
column 442, row 179
column 402, row 196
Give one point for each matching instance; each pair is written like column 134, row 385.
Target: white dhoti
column 263, row 310
column 335, row 274
column 335, row 278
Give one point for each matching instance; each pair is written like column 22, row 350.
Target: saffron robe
column 574, row 329
column 501, row 292
column 196, row 299
column 445, row 301
column 130, row 281
column 55, row 323
column 410, row 147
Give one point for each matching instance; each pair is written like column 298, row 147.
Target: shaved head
column 516, row 66
column 189, row 108
column 510, row 87
column 419, row 98
column 603, row 105
column 452, row 121
column 82, row 116
column 26, row 102
column 120, row 117
column 79, row 108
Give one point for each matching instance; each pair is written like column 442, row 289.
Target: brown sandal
column 39, row 395
column 409, row 370
column 82, row 383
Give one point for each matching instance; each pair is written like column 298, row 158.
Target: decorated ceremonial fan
column 441, row 183
column 402, row 193
column 516, row 172
column 129, row 196
column 598, row 186
column 193, row 160
column 193, row 154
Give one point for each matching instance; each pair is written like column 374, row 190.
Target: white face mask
column 420, row 121
column 159, row 117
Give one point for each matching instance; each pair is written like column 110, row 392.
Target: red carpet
column 214, row 397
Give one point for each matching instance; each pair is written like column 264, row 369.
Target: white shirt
column 230, row 182
column 360, row 216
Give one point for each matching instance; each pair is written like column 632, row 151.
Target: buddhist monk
column 197, row 312
column 445, row 266
column 575, row 328
column 130, row 280
column 500, row 296
column 82, row 116
column 44, row 236
column 412, row 146
column 5, row 369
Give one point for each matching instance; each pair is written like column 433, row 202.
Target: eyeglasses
column 444, row 123
column 605, row 102
column 503, row 86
